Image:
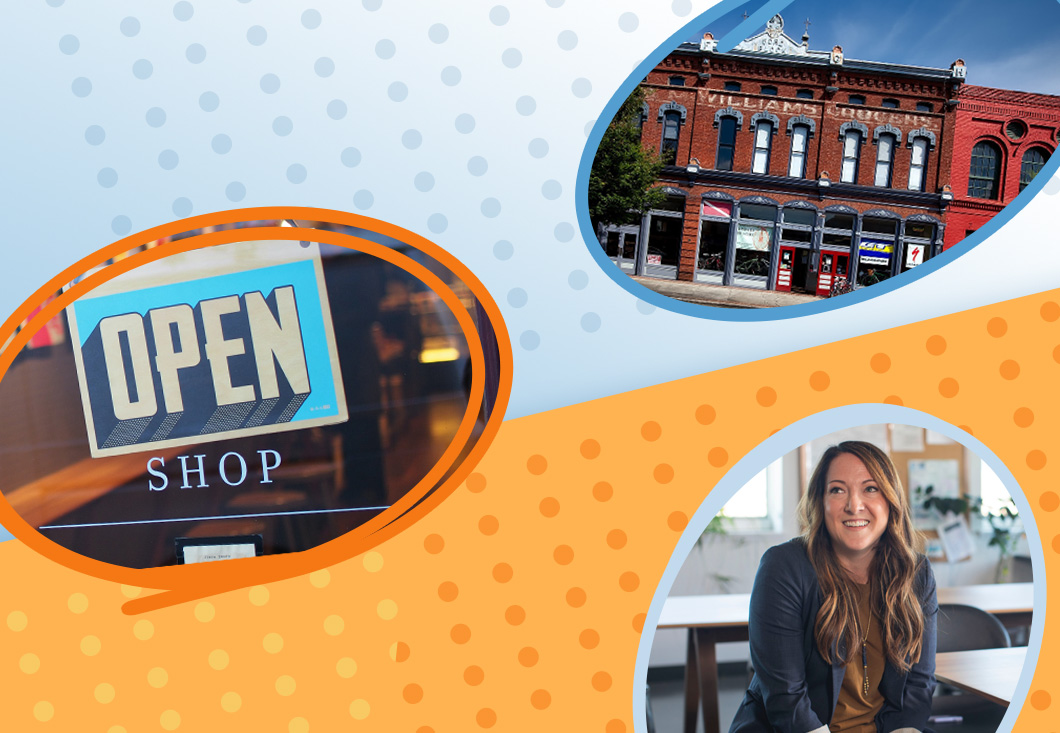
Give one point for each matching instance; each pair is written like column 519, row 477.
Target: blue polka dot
column 564, row 232
column 450, row 76
column 525, row 106
column 538, row 147
column 490, row 208
column 437, row 223
column 385, row 49
column 168, row 159
column 587, row 130
column 55, row 3
column 81, row 87
column 107, row 177
column 256, row 35
column 324, row 67
column 590, row 322
column 142, row 69
column 156, row 117
column 567, row 40
column 551, row 190
column 129, row 27
column 499, row 15
column 554, row 3
column 681, row 8
column 512, row 57
column 372, row 5
column 336, row 109
column 121, row 225
column 397, row 91
column 477, row 166
column 181, row 207
column 577, row 279
column 628, row 22
column 517, row 297
column 645, row 308
column 529, row 340
column 581, row 88
column 183, row 11
column 69, row 45
column 196, row 53
column 208, row 101
column 282, row 126
column 423, row 181
column 311, row 19
column 235, row 191
column 296, row 173
column 503, row 250
column 221, row 144
column 363, row 199
column 411, row 139
column 94, row 135
column 465, row 123
column 350, row 157
column 438, row 33
column 270, row 83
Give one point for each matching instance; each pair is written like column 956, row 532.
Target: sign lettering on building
column 875, row 252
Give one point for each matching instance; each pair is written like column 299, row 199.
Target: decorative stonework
column 672, row 107
column 772, row 40
column 729, row 112
column 802, row 120
column 853, row 125
column 767, row 116
column 924, row 133
column 887, row 129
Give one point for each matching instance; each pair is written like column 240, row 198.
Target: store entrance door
column 785, row 268
column 835, row 266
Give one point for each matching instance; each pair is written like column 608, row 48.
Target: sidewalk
column 722, row 296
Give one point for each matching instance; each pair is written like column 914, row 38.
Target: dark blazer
column 794, row 689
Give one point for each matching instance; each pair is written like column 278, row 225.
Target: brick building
column 1003, row 139
column 787, row 166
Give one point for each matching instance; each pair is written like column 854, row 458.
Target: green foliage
column 1003, row 522
column 623, row 173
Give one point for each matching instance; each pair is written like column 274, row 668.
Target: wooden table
column 714, row 619
column 989, row 673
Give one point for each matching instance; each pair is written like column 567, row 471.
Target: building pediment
column 773, row 40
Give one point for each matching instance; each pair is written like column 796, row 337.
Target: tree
column 624, row 171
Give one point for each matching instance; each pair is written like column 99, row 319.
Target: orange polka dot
column 448, row 591
column 628, row 581
column 966, row 429
column 589, row 449
column 425, row 729
column 638, row 622
column 515, row 615
column 1023, row 417
column 401, row 651
column 589, row 638
column 576, row 598
column 486, row 718
column 1036, row 460
column 460, row 634
column 474, row 675
column 1056, row 354
column 601, row 681
column 705, row 414
column 948, row 387
column 663, row 473
column 893, row 400
column 549, row 507
column 1049, row 501
column 651, row 431
column 1056, row 543
column 502, row 572
column 476, row 482
column 718, row 457
column 936, row 345
column 433, row 543
column 528, row 656
column 488, row 525
column 616, row 539
column 1050, row 311
column 766, row 397
column 603, row 491
column 1040, row 699
column 412, row 693
column 1009, row 369
column 615, row 726
column 996, row 327
column 677, row 521
column 540, row 699
column 819, row 381
column 563, row 554
column 880, row 363
column 536, row 464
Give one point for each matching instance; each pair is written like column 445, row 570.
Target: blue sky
column 1011, row 44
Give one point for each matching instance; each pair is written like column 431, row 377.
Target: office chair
column 963, row 628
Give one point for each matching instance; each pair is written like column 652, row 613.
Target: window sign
column 914, row 254
column 223, row 343
column 754, row 236
column 876, row 252
column 716, row 208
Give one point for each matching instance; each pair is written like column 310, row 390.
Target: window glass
column 985, row 173
column 1033, row 161
column 851, row 151
column 884, row 156
column 880, row 226
column 924, row 107
column 804, row 94
column 890, row 103
column 713, row 243
column 677, row 81
column 670, row 137
column 917, row 164
column 664, row 240
column 753, row 244
column 856, row 99
column 797, row 162
column 763, row 139
column 769, row 91
column 806, row 217
column 919, row 230
column 672, row 203
column 726, row 143
column 732, row 86
column 758, row 211
column 839, row 221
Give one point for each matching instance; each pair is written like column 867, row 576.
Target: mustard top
column 855, row 712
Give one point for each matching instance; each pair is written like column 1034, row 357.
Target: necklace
column 864, row 647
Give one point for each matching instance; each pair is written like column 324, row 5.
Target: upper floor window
column 732, row 86
column 884, row 160
column 1033, row 160
column 769, row 90
column 924, row 107
column 890, row 103
column 851, row 153
column 726, row 143
column 804, row 94
column 984, row 176
column 856, row 99
column 763, row 144
column 1015, row 130
column 671, row 133
column 800, row 134
column 677, row 81
column 918, row 164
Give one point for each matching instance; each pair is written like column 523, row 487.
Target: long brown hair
column 892, row 578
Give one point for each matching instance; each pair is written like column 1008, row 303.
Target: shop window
column 797, row 225
column 677, row 81
column 924, row 107
column 670, row 136
column 726, row 143
column 754, row 239
column 1033, row 161
column 769, row 91
column 876, row 250
column 918, row 240
column 763, row 143
column 918, row 164
column 984, row 177
column 856, row 99
column 715, row 225
column 884, row 160
column 851, row 154
column 890, row 103
column 664, row 233
column 804, row 94
column 732, row 86
column 797, row 163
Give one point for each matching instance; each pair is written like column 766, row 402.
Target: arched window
column 918, row 163
column 1033, row 160
column 769, row 90
column 800, row 134
column 732, row 86
column 884, row 160
column 670, row 135
column 984, row 176
column 851, row 153
column 726, row 143
column 763, row 144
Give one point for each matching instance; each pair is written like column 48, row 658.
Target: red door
column 834, row 265
column 787, row 262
